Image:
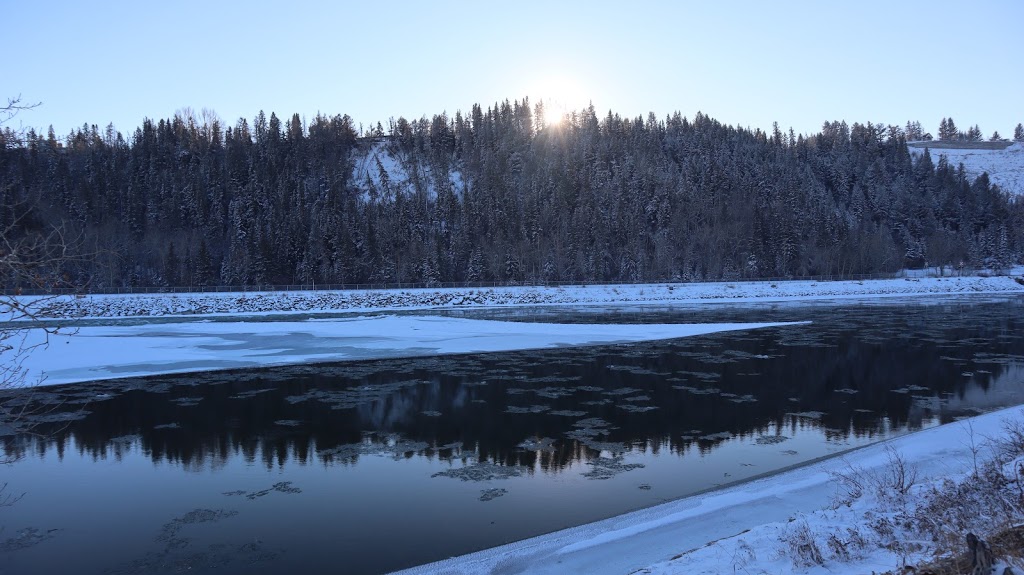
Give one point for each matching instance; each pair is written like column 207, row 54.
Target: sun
column 561, row 96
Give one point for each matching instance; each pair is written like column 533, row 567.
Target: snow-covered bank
column 108, row 306
column 757, row 527
column 138, row 350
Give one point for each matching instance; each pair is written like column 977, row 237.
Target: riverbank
column 864, row 512
column 218, row 304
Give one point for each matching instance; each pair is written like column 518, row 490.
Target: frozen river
column 371, row 466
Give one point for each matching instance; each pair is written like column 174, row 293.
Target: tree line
column 501, row 194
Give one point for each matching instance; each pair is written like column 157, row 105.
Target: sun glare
column 561, row 96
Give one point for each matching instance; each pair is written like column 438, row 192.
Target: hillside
column 494, row 196
column 1003, row 161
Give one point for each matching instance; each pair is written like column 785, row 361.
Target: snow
column 400, row 170
column 1005, row 167
column 746, row 528
column 218, row 304
column 137, row 350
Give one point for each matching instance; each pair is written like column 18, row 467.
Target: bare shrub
column 838, row 548
column 803, row 549
column 892, row 482
column 1010, row 444
column 850, row 485
column 898, row 477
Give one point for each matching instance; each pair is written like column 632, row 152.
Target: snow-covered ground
column 1005, row 167
column 759, row 527
column 211, row 304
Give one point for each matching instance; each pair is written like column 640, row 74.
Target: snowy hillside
column 381, row 170
column 1005, row 167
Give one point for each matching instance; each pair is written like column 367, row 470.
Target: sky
column 746, row 63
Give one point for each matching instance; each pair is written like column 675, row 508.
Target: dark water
column 374, row 466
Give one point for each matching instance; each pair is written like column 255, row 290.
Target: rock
column 980, row 555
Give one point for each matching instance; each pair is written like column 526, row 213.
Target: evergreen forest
column 499, row 195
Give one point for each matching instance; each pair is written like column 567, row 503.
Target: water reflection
column 600, row 430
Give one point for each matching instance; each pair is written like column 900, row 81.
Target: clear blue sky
column 747, row 63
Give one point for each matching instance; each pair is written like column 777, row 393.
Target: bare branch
column 15, row 106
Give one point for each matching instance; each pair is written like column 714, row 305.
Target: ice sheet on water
column 556, row 378
column 698, row 390
column 589, row 441
column 530, row 409
column 743, row 399
column 593, row 423
column 169, row 532
column 997, row 358
column 806, row 414
column 701, row 375
column 637, row 398
column 537, row 444
column 288, row 422
column 637, row 408
column 567, row 413
column 554, row 392
column 607, row 467
column 635, row 370
column 491, row 494
column 716, row 359
column 125, row 440
column 393, row 446
column 279, row 487
column 180, row 555
column 481, row 472
column 770, row 439
column 740, row 354
column 251, row 393
column 622, row 391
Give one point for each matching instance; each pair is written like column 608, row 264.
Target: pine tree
column 204, row 266
column 1018, row 133
column 913, row 131
column 945, row 132
column 171, row 266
